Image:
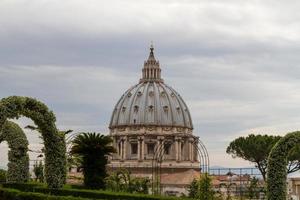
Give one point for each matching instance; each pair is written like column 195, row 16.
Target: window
column 166, row 108
column 151, row 93
column 134, row 148
column 136, row 108
column 151, row 107
column 150, row 148
column 119, row 148
column 167, row 149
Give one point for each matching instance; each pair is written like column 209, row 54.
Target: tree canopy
column 93, row 148
column 256, row 149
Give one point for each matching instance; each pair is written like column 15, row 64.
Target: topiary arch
column 277, row 162
column 18, row 159
column 55, row 157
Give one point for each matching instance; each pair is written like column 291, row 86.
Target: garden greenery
column 93, row 148
column 69, row 191
column 18, row 159
column 202, row 188
column 55, row 149
column 277, row 162
column 13, row 194
column 122, row 181
column 3, row 175
column 254, row 189
column 38, row 170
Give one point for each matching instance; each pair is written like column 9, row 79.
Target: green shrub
column 277, row 162
column 202, row 189
column 193, row 188
column 122, row 181
column 18, row 159
column 13, row 194
column 84, row 193
column 2, row 175
column 23, row 186
column 38, row 169
column 254, row 189
column 55, row 146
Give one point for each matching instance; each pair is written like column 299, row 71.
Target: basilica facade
column 151, row 122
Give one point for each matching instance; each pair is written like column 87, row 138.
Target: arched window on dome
column 151, row 93
column 166, row 108
column 151, row 107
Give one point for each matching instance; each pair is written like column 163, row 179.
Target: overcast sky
column 236, row 63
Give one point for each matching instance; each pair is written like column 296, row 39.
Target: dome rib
column 180, row 106
column 130, row 111
column 169, row 102
column 145, row 104
column 187, row 109
column 116, row 110
column 121, row 102
column 157, row 117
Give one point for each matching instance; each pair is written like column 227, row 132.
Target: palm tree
column 94, row 149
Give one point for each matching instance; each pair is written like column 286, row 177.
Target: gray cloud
column 234, row 62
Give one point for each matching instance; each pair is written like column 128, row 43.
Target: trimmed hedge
column 84, row 193
column 277, row 162
column 18, row 165
column 13, row 194
column 55, row 147
column 23, row 186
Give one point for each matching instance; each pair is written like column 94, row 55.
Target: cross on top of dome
column 151, row 70
column 151, row 55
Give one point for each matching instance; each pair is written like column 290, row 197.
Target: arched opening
column 55, row 147
column 3, row 161
column 35, row 148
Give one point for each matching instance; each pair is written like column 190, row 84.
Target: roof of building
column 151, row 102
column 180, row 178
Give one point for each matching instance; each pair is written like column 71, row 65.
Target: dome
column 151, row 102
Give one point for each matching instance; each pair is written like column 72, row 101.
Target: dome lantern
column 151, row 70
